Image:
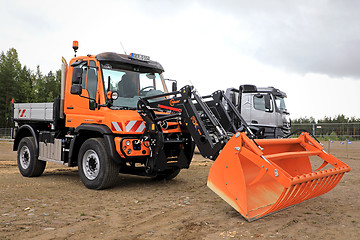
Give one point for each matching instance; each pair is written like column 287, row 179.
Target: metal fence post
column 313, row 129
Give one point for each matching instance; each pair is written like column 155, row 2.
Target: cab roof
column 249, row 88
column 111, row 57
column 274, row 91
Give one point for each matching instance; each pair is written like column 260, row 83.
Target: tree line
column 23, row 85
column 339, row 127
column 341, row 118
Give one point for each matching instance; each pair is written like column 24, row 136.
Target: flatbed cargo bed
column 34, row 112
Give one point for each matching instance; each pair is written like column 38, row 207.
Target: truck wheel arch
column 26, row 131
column 86, row 131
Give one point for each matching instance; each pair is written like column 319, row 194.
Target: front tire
column 96, row 169
column 28, row 164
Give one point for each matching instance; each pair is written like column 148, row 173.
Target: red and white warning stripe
column 135, row 126
column 22, row 112
column 130, row 126
column 116, row 126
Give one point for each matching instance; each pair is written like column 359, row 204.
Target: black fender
column 86, row 131
column 26, row 130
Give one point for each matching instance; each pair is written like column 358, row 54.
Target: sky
column 308, row 49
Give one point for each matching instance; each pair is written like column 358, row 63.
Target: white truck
column 263, row 109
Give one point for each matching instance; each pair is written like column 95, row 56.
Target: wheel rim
column 91, row 164
column 25, row 157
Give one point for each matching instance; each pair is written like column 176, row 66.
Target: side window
column 89, row 79
column 83, row 83
column 263, row 102
column 92, row 80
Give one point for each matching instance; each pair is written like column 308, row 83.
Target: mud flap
column 260, row 181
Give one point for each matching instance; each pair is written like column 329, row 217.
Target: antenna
column 123, row 48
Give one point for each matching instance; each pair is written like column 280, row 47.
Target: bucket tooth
column 260, row 181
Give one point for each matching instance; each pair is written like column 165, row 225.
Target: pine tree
column 10, row 69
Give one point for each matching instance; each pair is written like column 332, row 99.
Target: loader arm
column 204, row 120
column 256, row 178
column 229, row 118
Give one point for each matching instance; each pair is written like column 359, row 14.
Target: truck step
column 52, row 160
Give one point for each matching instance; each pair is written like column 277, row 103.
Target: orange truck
column 95, row 125
column 116, row 115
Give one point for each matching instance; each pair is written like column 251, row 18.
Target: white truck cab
column 263, row 108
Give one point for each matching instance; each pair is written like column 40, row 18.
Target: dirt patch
column 58, row 206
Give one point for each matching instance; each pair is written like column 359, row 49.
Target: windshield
column 280, row 103
column 131, row 85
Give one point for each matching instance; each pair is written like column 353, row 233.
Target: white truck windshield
column 131, row 85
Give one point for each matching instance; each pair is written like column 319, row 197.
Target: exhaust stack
column 62, row 93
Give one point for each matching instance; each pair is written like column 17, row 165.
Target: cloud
column 298, row 36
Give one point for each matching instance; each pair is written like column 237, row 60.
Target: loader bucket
column 258, row 180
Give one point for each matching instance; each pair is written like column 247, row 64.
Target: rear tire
column 167, row 175
column 96, row 169
column 28, row 164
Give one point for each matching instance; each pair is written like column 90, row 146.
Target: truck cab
column 263, row 108
column 99, row 85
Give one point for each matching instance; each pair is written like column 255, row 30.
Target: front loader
column 257, row 177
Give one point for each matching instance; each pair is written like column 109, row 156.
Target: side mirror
column 267, row 102
column 77, row 76
column 92, row 104
column 76, row 89
column 174, row 86
column 233, row 97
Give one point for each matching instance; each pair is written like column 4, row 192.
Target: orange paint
column 260, row 182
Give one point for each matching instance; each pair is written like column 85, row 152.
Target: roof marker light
column 140, row 57
column 75, row 46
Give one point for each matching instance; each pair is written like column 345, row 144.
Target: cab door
column 82, row 107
